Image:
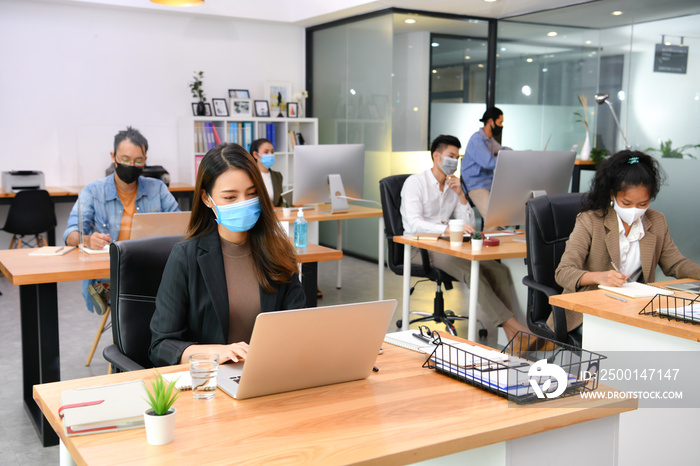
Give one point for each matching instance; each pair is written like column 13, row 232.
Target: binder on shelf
column 105, row 408
column 217, row 139
column 247, row 135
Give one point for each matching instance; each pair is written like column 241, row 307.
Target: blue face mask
column 267, row 160
column 239, row 216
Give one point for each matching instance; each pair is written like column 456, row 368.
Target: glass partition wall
column 396, row 79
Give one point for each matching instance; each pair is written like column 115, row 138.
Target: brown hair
column 273, row 255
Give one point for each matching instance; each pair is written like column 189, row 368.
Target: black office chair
column 549, row 222
column 31, row 213
column 136, row 267
column 390, row 191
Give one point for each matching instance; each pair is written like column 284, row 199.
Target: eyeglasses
column 430, row 336
column 136, row 163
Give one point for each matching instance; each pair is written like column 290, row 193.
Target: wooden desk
column 355, row 211
column 576, row 176
column 37, row 277
column 386, row 419
column 617, row 330
column 507, row 249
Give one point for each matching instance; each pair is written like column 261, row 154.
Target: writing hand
column 611, row 278
column 98, row 240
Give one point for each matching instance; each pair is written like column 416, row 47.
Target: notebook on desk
column 637, row 290
column 159, row 224
column 304, row 348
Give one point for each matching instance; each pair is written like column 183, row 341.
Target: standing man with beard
column 108, row 206
column 479, row 161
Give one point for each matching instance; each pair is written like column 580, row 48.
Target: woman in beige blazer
column 616, row 229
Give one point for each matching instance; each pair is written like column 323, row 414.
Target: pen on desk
column 60, row 249
column 615, row 297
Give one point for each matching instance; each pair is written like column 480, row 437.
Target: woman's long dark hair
column 621, row 171
column 273, row 254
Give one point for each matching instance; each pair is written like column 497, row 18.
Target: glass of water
column 203, row 369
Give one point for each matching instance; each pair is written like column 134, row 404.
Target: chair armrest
column 547, row 290
column 121, row 362
column 558, row 313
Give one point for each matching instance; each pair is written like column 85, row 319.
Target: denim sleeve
column 87, row 201
column 167, row 200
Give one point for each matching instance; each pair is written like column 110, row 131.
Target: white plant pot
column 586, row 149
column 160, row 430
column 477, row 244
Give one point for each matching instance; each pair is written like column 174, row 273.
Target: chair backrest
column 549, row 222
column 136, row 268
column 390, row 193
column 31, row 212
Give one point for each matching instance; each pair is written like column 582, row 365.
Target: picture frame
column 238, row 94
column 278, row 93
column 241, row 107
column 292, row 110
column 220, row 107
column 262, row 108
column 207, row 108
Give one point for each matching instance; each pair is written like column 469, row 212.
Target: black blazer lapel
column 211, row 263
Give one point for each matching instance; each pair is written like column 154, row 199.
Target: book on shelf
column 104, row 408
column 247, row 135
column 217, row 139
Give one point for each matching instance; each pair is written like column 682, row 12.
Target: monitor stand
column 339, row 203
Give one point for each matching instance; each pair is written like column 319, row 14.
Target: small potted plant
column 477, row 240
column 198, row 92
column 160, row 417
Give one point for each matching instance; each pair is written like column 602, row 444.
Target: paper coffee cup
column 456, row 232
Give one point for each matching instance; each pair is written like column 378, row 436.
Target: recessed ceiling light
column 434, row 71
column 481, row 65
column 552, row 33
column 526, row 91
column 415, row 109
column 467, row 57
column 544, row 70
column 503, row 49
column 179, row 2
column 667, row 43
column 588, row 42
column 435, row 44
column 529, row 60
column 410, row 21
column 490, row 1
column 616, row 13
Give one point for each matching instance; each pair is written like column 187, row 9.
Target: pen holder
column 529, row 369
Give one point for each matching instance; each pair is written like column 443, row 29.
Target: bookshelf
column 194, row 131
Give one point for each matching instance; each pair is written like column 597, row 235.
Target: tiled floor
column 19, row 444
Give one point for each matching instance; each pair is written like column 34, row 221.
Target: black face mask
column 128, row 173
column 496, row 130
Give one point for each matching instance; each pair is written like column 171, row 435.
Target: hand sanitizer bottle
column 300, row 230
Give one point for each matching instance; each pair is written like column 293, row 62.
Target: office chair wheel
column 398, row 323
column 483, row 333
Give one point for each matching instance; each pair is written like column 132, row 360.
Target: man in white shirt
column 428, row 201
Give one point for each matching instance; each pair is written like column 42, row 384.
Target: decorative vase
column 477, row 244
column 201, row 109
column 301, row 108
column 160, row 430
column 586, row 149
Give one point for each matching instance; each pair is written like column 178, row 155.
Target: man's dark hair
column 491, row 113
column 133, row 135
column 255, row 145
column 442, row 141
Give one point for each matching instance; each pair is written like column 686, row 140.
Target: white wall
column 75, row 75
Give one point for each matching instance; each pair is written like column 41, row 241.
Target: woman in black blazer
column 235, row 262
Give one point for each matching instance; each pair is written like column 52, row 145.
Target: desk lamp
column 603, row 98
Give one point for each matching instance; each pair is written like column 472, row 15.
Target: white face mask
column 628, row 215
column 449, row 165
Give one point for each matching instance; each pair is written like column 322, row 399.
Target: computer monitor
column 522, row 175
column 328, row 173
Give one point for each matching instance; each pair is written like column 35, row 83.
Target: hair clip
column 633, row 160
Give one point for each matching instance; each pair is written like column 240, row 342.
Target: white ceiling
column 313, row 12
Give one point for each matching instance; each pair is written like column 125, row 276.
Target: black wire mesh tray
column 674, row 308
column 524, row 372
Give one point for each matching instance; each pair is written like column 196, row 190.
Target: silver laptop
column 159, row 224
column 304, row 348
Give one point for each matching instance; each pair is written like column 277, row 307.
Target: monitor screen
column 518, row 175
column 314, row 164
